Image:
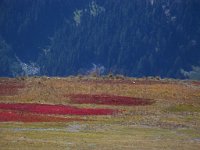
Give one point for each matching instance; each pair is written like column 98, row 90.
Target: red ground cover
column 197, row 83
column 55, row 109
column 7, row 116
column 10, row 87
column 108, row 100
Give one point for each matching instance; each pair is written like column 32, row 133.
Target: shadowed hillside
column 131, row 37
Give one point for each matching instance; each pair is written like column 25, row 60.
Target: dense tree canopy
column 131, row 37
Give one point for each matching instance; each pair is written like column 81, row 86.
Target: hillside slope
column 135, row 38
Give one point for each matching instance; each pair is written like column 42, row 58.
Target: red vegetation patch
column 55, row 109
column 108, row 100
column 10, row 87
column 7, row 116
column 197, row 83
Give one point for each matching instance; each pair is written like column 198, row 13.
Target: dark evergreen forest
column 130, row 37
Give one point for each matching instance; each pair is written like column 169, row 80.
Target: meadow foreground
column 99, row 113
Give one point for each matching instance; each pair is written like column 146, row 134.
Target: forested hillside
column 130, row 37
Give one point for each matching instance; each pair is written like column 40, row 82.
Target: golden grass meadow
column 99, row 113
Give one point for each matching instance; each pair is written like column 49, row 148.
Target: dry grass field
column 99, row 113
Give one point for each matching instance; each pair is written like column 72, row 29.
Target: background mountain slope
column 131, row 37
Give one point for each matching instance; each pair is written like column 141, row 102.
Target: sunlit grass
column 172, row 122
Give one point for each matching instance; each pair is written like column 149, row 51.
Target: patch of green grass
column 110, row 137
column 194, row 134
column 183, row 108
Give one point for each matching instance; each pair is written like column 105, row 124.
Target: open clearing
column 99, row 113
